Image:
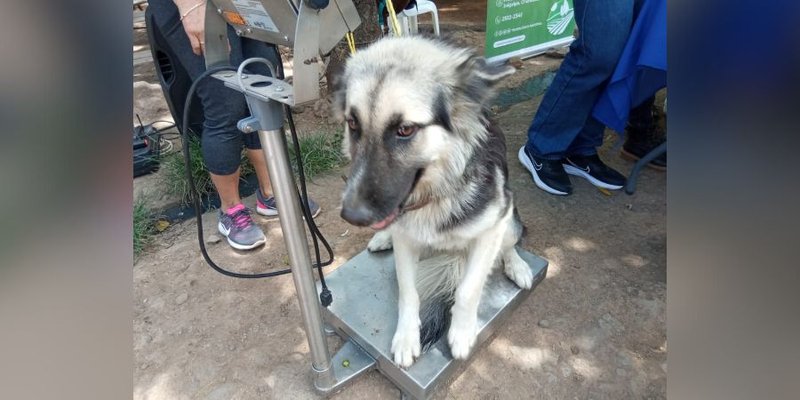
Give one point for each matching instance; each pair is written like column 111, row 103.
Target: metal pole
column 274, row 144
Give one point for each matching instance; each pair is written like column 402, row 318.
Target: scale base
column 364, row 313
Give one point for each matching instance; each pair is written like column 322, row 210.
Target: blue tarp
column 641, row 70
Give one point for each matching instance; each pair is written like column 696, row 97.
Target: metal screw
column 248, row 30
column 219, row 11
column 279, row 89
column 286, row 38
column 238, row 32
column 248, row 129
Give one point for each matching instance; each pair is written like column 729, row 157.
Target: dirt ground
column 593, row 329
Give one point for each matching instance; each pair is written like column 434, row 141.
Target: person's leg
column 604, row 26
column 643, row 134
column 566, row 106
column 259, row 161
column 265, row 201
column 221, row 141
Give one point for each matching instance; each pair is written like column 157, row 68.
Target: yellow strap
column 393, row 17
column 351, row 42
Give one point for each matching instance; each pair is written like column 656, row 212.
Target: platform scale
column 364, row 309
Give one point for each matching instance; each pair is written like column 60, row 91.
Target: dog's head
column 412, row 107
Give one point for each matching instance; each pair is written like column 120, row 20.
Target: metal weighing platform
column 364, row 314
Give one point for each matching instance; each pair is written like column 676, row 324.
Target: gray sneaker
column 239, row 228
column 268, row 207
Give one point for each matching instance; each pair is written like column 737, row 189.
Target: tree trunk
column 366, row 33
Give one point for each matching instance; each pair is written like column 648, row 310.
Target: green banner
column 523, row 28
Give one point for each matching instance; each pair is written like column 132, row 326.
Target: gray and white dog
column 429, row 172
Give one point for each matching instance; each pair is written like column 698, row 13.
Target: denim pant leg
column 604, row 26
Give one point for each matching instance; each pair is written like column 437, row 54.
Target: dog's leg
column 464, row 324
column 514, row 266
column 381, row 241
column 405, row 344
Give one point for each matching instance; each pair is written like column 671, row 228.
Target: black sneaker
column 548, row 175
column 593, row 169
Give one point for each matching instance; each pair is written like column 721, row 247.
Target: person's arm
column 193, row 18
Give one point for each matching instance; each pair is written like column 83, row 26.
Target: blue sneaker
column 268, row 207
column 238, row 227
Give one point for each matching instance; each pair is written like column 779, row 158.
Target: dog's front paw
column 518, row 270
column 406, row 346
column 461, row 336
column 381, row 241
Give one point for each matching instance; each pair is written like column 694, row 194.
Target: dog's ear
column 479, row 77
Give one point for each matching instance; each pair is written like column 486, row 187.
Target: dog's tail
column 437, row 279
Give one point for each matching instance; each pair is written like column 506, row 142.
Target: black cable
column 195, row 197
column 325, row 296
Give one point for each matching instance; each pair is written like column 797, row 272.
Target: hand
column 194, row 22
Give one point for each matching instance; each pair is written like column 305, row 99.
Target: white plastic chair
column 408, row 18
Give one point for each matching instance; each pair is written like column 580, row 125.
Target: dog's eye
column 407, row 130
column 352, row 123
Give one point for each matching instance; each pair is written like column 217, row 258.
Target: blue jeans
column 563, row 125
column 221, row 141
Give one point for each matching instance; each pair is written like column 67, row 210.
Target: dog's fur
column 441, row 191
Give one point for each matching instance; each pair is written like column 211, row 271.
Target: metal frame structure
column 365, row 306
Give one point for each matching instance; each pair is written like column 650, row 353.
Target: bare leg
column 228, row 189
column 259, row 161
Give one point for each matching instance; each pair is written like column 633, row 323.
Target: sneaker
column 548, row 175
column 268, row 207
column 238, row 227
column 593, row 169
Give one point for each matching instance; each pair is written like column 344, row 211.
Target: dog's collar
column 415, row 206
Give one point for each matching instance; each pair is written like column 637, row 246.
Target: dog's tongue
column 385, row 222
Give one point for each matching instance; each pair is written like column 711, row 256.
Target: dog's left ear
column 479, row 77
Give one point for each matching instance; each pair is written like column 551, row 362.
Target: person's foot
column 595, row 171
column 238, row 227
column 548, row 175
column 639, row 142
column 268, row 207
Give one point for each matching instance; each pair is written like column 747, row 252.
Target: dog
column 429, row 172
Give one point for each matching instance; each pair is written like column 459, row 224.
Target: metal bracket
column 249, row 125
column 259, row 86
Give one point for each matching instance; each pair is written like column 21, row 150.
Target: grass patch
column 174, row 176
column 143, row 229
column 320, row 152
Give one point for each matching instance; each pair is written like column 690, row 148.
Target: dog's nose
column 357, row 215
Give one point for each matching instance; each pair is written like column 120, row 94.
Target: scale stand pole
column 269, row 115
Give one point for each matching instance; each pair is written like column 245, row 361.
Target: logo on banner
column 560, row 16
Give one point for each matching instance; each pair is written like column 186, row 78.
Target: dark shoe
column 593, row 169
column 548, row 175
column 639, row 142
